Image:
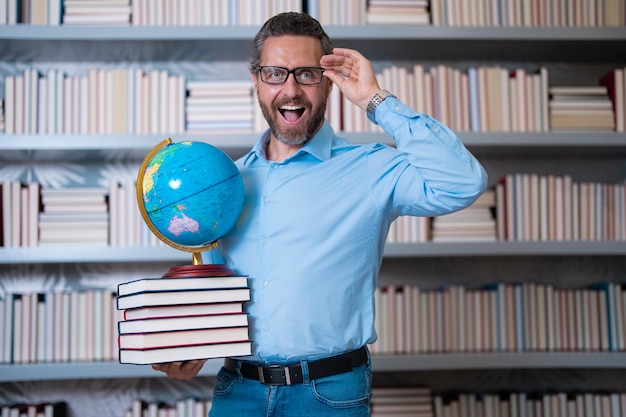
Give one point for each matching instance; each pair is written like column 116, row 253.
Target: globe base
column 205, row 270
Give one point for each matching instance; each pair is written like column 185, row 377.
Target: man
column 316, row 214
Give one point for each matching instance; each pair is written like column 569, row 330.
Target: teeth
column 290, row 107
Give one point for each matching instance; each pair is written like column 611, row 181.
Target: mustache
column 293, row 102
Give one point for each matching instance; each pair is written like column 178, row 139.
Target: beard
column 294, row 135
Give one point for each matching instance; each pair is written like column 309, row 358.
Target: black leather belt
column 292, row 374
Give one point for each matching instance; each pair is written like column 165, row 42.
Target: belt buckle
column 261, row 371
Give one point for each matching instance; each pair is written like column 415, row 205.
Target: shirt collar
column 319, row 146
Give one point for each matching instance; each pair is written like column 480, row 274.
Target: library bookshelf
column 580, row 54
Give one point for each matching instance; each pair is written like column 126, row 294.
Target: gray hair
column 288, row 23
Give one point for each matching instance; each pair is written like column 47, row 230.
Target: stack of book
column 386, row 12
column 183, row 318
column 615, row 83
column 219, row 106
column 475, row 223
column 581, row 108
column 402, row 401
column 104, row 12
column 76, row 215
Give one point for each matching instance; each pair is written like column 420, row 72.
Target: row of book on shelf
column 422, row 401
column 495, row 99
column 535, row 404
column 184, row 407
column 518, row 13
column 32, row 216
column 482, row 13
column 534, row 207
column 160, row 319
column 41, row 409
column 214, row 13
column 385, row 402
column 501, row 317
column 143, row 12
column 521, row 207
column 147, row 320
column 136, row 101
column 542, row 13
column 59, row 326
column 103, row 101
column 416, row 401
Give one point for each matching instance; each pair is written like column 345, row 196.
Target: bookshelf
column 590, row 48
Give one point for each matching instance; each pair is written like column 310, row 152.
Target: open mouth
column 291, row 113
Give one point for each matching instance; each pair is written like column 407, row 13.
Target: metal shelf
column 378, row 32
column 88, row 370
column 82, row 254
column 491, row 249
column 26, row 43
column 116, row 147
column 380, row 363
column 453, row 362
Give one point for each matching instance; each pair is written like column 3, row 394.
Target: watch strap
column 378, row 98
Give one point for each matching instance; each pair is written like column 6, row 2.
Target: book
column 149, row 312
column 96, row 193
column 74, row 234
column 182, row 297
column 121, row 18
column 173, row 284
column 163, row 339
column 402, row 401
column 55, row 409
column 614, row 81
column 165, row 324
column 185, row 353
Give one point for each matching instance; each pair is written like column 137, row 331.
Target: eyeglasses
column 279, row 75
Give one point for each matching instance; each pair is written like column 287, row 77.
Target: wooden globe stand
column 198, row 269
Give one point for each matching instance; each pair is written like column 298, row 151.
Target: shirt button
column 263, row 241
column 266, row 200
column 266, row 283
column 266, row 327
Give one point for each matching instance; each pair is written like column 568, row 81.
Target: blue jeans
column 343, row 395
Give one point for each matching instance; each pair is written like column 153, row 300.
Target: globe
column 190, row 194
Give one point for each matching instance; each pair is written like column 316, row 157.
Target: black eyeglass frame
column 259, row 68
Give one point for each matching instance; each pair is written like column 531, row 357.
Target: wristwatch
column 375, row 101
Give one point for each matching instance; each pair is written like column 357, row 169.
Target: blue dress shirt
column 312, row 232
